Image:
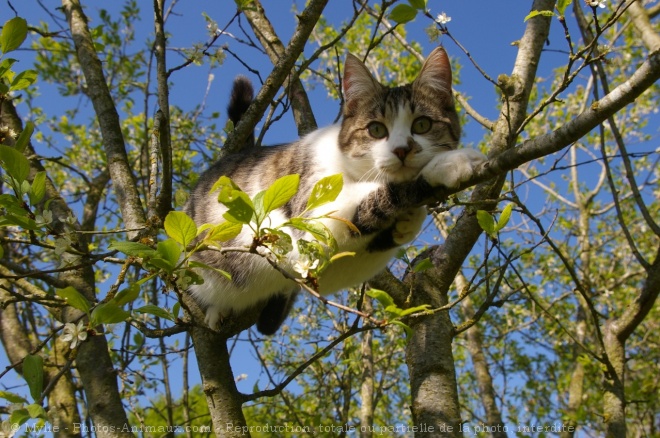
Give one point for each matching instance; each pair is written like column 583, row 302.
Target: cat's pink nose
column 401, row 152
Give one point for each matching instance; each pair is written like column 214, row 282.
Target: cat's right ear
column 358, row 84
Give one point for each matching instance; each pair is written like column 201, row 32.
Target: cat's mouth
column 401, row 172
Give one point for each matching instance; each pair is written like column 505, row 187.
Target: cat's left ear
column 435, row 73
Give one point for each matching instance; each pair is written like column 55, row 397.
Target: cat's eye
column 421, row 125
column 377, row 130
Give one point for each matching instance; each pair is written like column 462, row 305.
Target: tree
column 529, row 313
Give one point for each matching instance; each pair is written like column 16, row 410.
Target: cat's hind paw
column 452, row 168
column 407, row 226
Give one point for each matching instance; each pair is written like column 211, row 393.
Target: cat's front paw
column 213, row 317
column 452, row 168
column 408, row 224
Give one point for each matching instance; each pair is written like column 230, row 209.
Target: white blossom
column 74, row 333
column 304, row 265
column 44, row 218
column 183, row 282
column 68, row 220
column 442, row 18
column 264, row 251
column 62, row 244
column 594, row 3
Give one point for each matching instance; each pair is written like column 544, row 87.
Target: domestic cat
column 392, row 147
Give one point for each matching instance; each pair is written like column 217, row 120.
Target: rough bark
column 576, row 385
column 642, row 23
column 482, row 374
column 224, row 401
column 616, row 332
column 164, row 204
column 477, row 351
column 435, row 407
column 367, row 379
column 119, row 167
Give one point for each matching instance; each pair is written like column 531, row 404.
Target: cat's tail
column 241, row 97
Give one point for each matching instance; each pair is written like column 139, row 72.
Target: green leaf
column 159, row 263
column 5, row 65
column 180, row 227
column 10, row 201
column 486, row 221
column 23, row 80
column 325, row 190
column 224, row 232
column 418, row 4
column 73, row 298
column 108, row 313
column 423, row 265
column 33, row 372
column 176, row 309
column 240, row 206
column 15, row 163
column 394, row 311
column 19, row 417
column 225, row 188
column 38, row 188
column 403, row 13
column 562, row 5
column 409, row 331
column 195, row 264
column 259, row 210
column 383, row 297
column 36, row 411
column 127, row 295
column 24, row 137
column 504, row 217
column 180, row 197
column 20, row 220
column 241, row 209
column 134, row 249
column 280, row 192
column 170, row 251
column 156, row 311
column 317, row 229
column 13, row 34
column 535, row 13
column 342, row 254
column 11, row 397
column 411, row 310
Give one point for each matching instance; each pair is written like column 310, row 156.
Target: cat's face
column 390, row 134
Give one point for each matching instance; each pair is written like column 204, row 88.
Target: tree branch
column 106, row 113
column 263, row 29
column 306, row 22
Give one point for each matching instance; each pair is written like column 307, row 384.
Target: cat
column 393, row 146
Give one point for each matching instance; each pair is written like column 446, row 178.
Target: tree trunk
column 435, row 407
column 614, row 397
column 224, row 401
column 367, row 381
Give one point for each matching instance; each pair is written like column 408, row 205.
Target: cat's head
column 391, row 133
